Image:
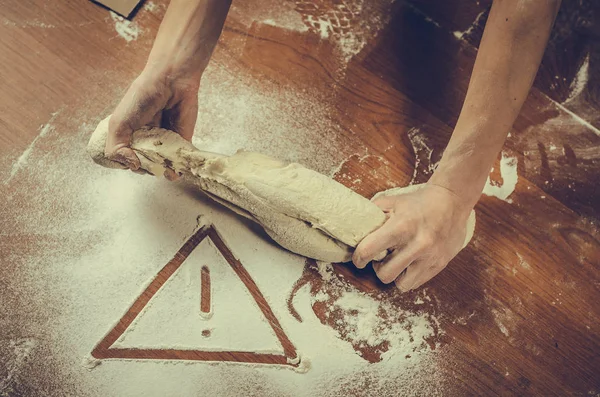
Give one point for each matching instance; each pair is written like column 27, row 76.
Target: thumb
column 138, row 107
column 117, row 145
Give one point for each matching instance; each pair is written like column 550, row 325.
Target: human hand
column 157, row 99
column 425, row 229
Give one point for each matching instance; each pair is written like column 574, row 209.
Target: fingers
column 139, row 107
column 417, row 274
column 117, row 142
column 125, row 156
column 386, row 203
column 387, row 236
column 156, row 120
column 395, row 263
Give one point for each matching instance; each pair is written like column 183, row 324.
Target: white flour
column 371, row 322
column 349, row 25
column 462, row 35
column 580, row 81
column 127, row 30
column 510, row 177
column 424, row 164
column 150, row 6
column 505, row 320
column 28, row 24
column 19, row 352
column 522, row 263
column 236, row 112
column 102, row 235
column 276, row 13
column 24, row 157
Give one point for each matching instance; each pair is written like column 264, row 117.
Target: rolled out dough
column 302, row 210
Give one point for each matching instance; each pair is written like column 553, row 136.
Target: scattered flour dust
column 464, row 34
column 325, row 270
column 424, row 163
column 580, row 81
column 508, row 171
column 237, row 112
column 17, row 353
column 505, row 320
column 127, row 30
column 348, row 24
column 376, row 328
column 102, row 235
column 28, row 24
column 24, row 157
column 150, row 6
column 275, row 13
column 522, row 263
column 372, row 322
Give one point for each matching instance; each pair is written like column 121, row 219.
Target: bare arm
column 509, row 56
column 426, row 229
column 165, row 94
column 188, row 35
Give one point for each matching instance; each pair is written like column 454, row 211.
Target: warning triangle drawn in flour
column 204, row 306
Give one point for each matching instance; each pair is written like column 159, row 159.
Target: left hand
column 424, row 231
column 156, row 98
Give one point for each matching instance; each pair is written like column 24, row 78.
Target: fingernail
column 134, row 164
column 376, row 265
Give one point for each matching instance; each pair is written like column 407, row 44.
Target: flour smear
column 127, row 30
column 510, row 177
column 24, row 157
column 580, row 81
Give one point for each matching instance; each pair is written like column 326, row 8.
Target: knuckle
column 365, row 249
column 426, row 240
column 398, row 233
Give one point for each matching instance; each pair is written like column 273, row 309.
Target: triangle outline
column 104, row 350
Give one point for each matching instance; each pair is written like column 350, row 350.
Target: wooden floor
column 534, row 261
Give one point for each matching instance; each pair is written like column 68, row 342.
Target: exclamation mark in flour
column 205, row 293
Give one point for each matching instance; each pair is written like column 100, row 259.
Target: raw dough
column 302, row 210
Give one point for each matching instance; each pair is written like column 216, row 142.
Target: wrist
column 171, row 71
column 170, row 76
column 462, row 174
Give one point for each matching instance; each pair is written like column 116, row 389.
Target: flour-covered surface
column 92, row 240
column 515, row 312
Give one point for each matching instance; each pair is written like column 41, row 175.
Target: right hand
column 156, row 99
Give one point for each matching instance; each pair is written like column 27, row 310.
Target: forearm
column 509, row 55
column 187, row 36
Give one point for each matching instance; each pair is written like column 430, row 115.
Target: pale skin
column 425, row 229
